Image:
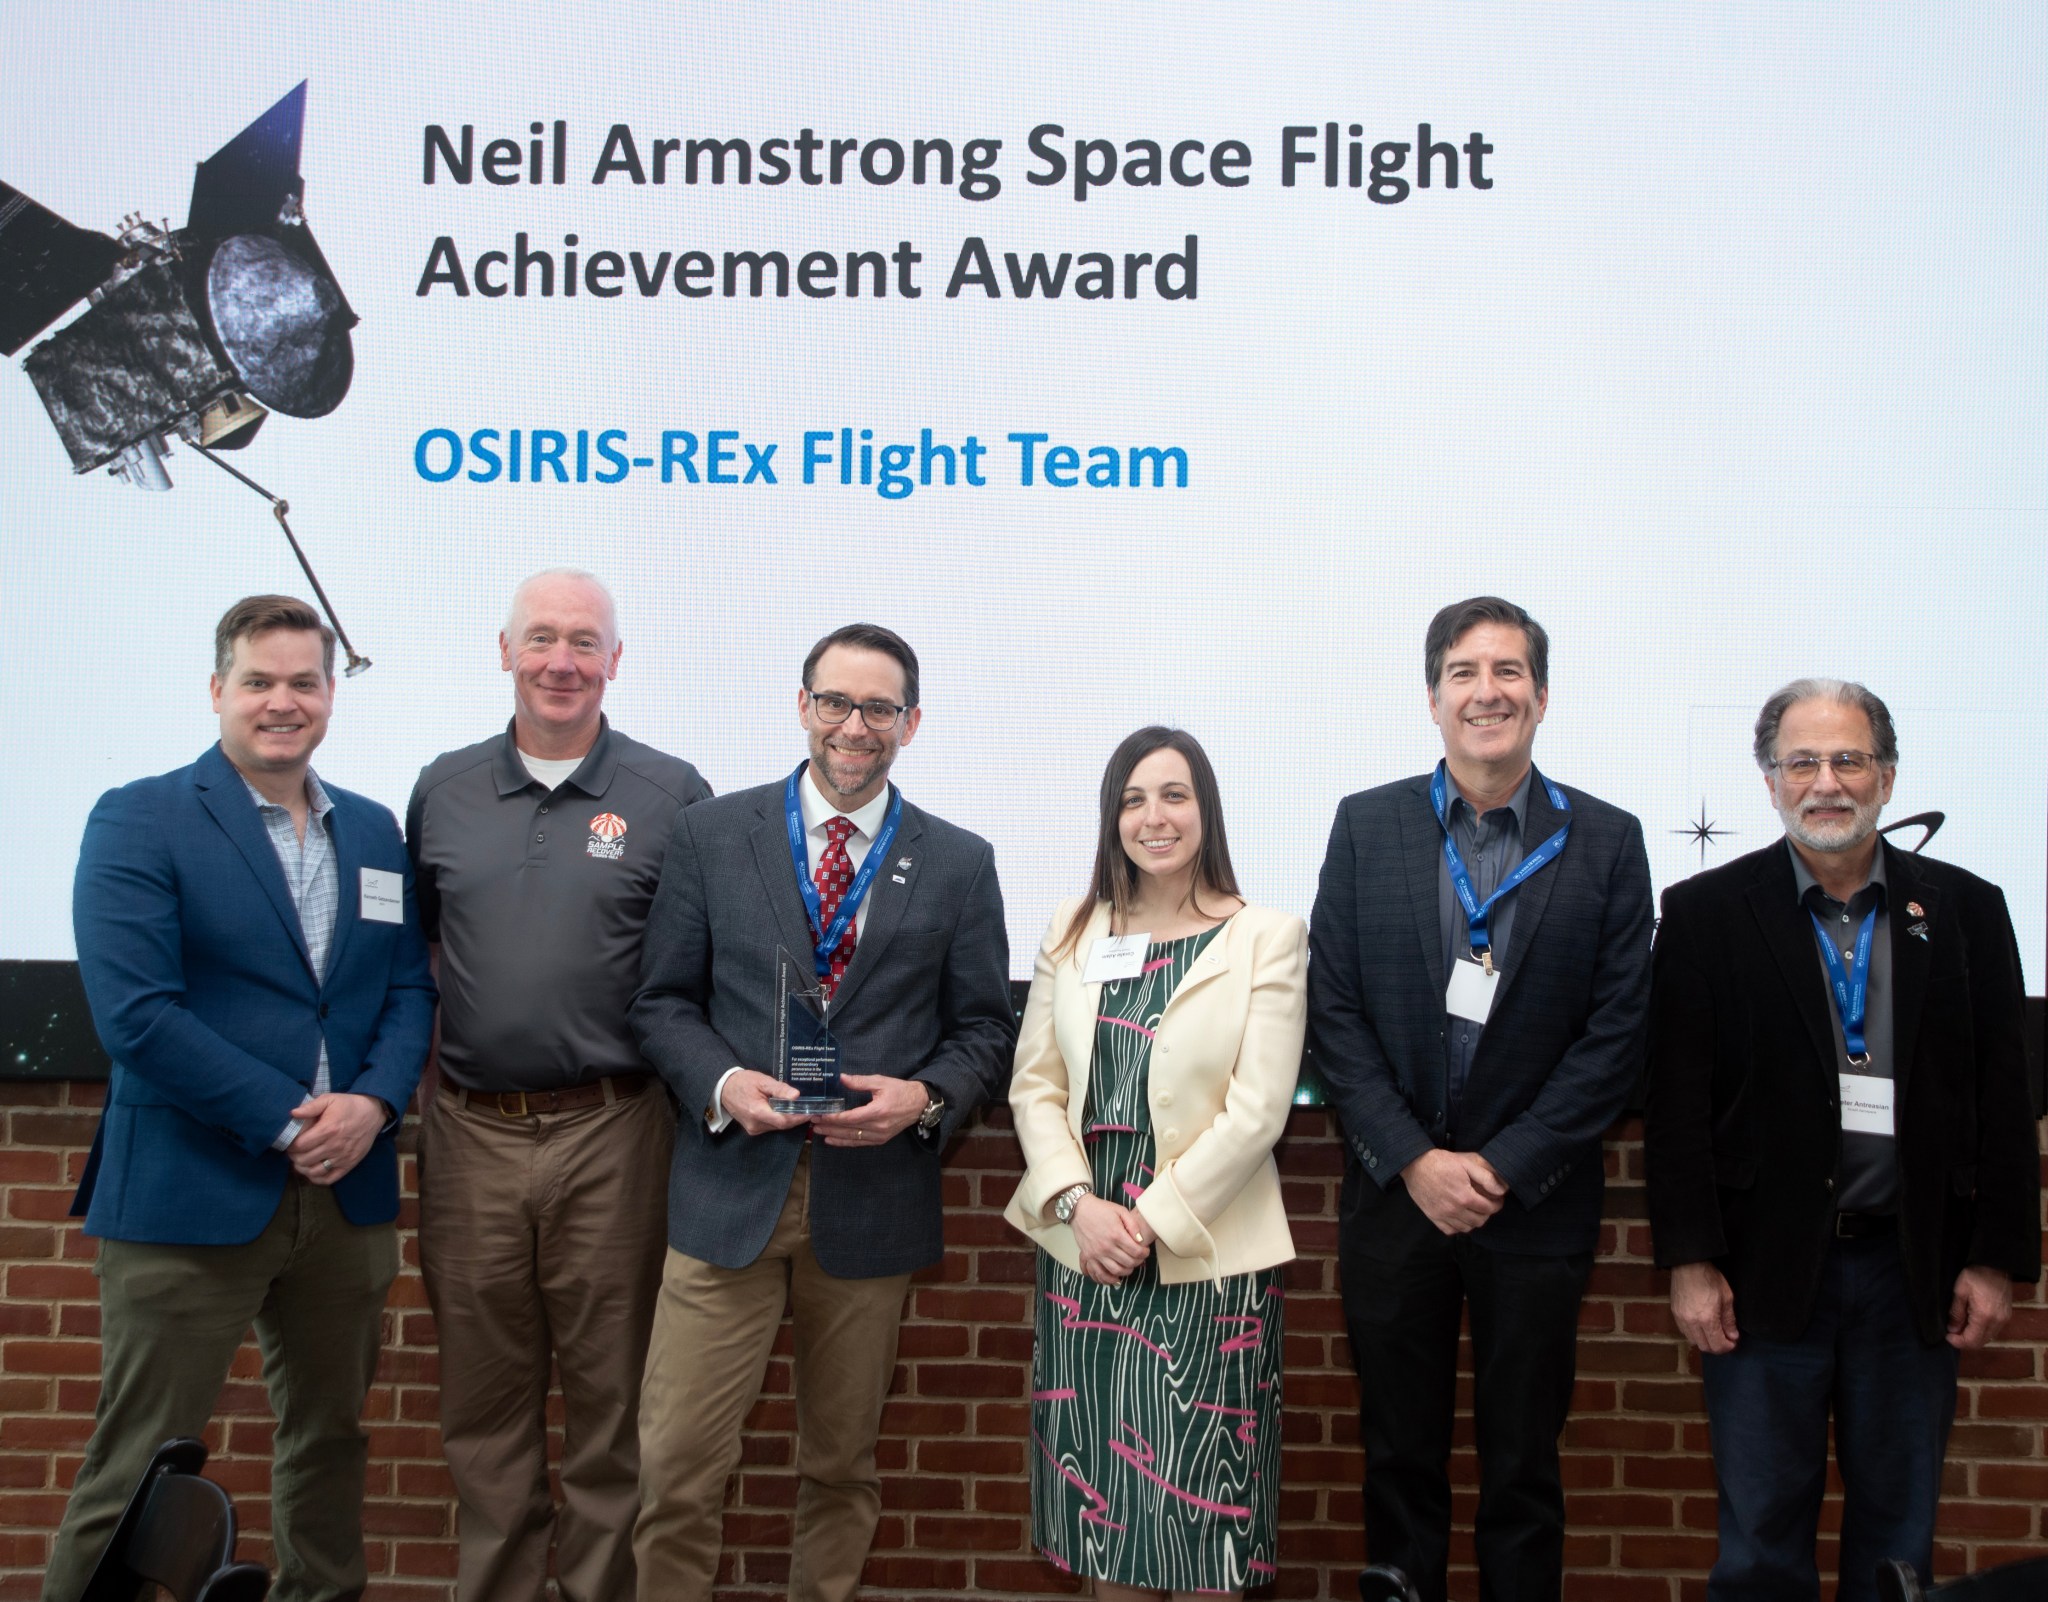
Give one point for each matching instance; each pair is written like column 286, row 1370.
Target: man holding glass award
column 825, row 986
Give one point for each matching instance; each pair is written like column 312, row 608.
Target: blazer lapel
column 1788, row 933
column 778, row 883
column 1076, row 1004
column 1214, row 960
column 348, row 875
column 223, row 793
column 886, row 903
column 1534, row 895
column 1909, row 900
column 1422, row 850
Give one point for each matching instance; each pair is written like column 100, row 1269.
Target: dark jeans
column 1404, row 1285
column 1768, row 1405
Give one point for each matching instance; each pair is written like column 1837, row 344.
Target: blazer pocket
column 1734, row 1172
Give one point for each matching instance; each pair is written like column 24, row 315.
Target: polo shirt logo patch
column 607, row 837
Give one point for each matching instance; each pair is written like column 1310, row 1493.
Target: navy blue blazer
column 1564, row 1040
column 203, row 995
column 927, row 996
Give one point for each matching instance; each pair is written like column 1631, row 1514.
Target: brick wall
column 956, row 1501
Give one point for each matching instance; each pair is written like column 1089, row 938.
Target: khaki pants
column 712, row 1333
column 171, row 1318
column 540, row 1233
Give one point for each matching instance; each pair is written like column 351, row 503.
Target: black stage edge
column 46, row 1032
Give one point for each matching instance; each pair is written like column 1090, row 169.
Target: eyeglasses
column 1803, row 767
column 880, row 716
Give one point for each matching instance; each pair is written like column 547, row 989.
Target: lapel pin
column 1914, row 909
column 903, row 863
column 898, row 878
column 1919, row 932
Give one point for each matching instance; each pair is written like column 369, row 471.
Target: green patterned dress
column 1155, row 1409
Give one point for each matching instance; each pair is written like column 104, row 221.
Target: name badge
column 1116, row 957
column 1867, row 1105
column 1470, row 992
column 383, row 896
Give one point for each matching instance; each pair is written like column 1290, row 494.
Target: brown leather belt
column 534, row 1103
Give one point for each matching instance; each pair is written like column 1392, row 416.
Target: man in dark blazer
column 1479, row 962
column 900, row 917
column 252, row 955
column 1843, row 1167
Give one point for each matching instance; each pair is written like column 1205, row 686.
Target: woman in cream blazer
column 1152, row 1079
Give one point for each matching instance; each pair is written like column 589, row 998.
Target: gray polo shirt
column 538, row 899
column 1869, row 1180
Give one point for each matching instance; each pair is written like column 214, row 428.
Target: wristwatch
column 934, row 1113
column 1064, row 1204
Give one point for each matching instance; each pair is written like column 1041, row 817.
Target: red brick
column 970, row 1457
column 52, row 1128
column 968, row 1534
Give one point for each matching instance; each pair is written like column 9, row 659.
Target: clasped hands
column 893, row 1105
column 1456, row 1190
column 335, row 1133
column 1113, row 1240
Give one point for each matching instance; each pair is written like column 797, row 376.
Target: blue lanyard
column 800, row 856
column 1534, row 863
column 1851, row 986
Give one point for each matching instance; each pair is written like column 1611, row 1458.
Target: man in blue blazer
column 250, row 949
column 899, row 915
column 1478, row 977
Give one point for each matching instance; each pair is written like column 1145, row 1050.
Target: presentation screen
column 1138, row 364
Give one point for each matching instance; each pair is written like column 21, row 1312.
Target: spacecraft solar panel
column 241, row 185
column 46, row 266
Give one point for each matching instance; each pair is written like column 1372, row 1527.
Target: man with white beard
column 1842, row 1159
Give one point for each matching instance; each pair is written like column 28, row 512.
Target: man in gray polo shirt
column 544, row 1157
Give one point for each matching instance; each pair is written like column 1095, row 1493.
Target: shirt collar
column 593, row 775
column 317, row 797
column 1805, row 882
column 1518, row 803
column 817, row 810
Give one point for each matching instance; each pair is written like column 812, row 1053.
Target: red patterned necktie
column 834, row 877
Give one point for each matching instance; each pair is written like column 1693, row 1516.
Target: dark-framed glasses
column 1803, row 767
column 880, row 716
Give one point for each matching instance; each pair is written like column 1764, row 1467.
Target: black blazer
column 1562, row 1047
column 1742, row 1135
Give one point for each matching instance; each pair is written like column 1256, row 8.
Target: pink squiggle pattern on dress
column 1247, row 1430
column 1157, row 963
column 1246, row 1340
column 1124, row 1023
column 1098, row 1504
column 1266, row 1569
column 1066, row 1395
column 1071, row 1318
column 1140, row 1458
column 1108, row 1129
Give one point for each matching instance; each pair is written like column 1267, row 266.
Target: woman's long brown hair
column 1116, row 876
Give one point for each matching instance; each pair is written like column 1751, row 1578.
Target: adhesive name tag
column 1116, row 957
column 1470, row 992
column 383, row 896
column 1866, row 1105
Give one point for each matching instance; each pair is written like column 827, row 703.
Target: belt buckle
column 503, row 1111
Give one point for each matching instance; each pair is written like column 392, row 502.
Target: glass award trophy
column 806, row 1055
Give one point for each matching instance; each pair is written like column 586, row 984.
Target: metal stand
column 278, row 504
